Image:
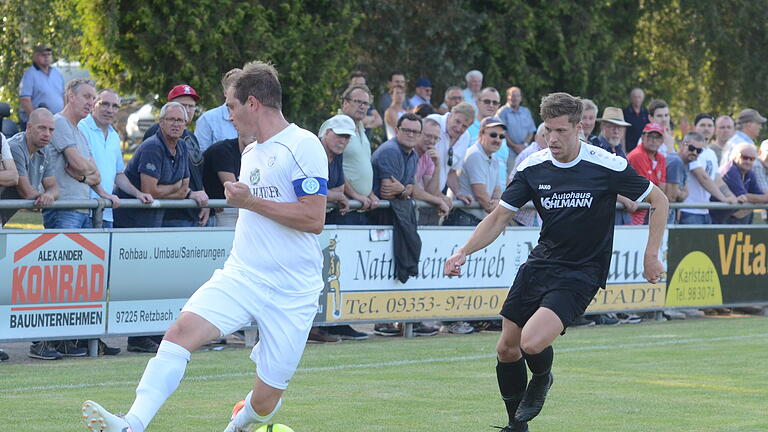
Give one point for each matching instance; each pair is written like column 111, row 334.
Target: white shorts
column 232, row 299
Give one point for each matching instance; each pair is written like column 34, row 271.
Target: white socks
column 161, row 378
column 248, row 416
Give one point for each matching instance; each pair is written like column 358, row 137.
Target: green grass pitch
column 697, row 375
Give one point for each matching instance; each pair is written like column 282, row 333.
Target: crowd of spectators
column 464, row 150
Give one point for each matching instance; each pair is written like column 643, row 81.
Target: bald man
column 30, row 155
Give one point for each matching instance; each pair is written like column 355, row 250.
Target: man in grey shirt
column 71, row 159
column 479, row 179
column 36, row 180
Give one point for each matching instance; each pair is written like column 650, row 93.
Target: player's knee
column 533, row 344
column 508, row 351
column 508, row 354
column 174, row 333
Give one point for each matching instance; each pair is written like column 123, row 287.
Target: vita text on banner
column 715, row 266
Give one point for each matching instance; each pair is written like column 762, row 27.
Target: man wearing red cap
column 649, row 163
column 188, row 217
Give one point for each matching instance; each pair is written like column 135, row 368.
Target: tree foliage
column 699, row 55
column 27, row 23
column 569, row 45
column 148, row 47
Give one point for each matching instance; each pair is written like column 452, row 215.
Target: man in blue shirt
column 215, row 125
column 519, row 122
column 474, row 79
column 42, row 85
column 423, row 93
column 188, row 217
column 394, row 162
column 104, row 143
column 159, row 168
column 741, row 180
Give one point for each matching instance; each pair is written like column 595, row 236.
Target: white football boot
column 231, row 427
column 98, row 419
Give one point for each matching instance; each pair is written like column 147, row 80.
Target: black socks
column 541, row 363
column 512, row 378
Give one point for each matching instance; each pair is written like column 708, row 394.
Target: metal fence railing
column 98, row 205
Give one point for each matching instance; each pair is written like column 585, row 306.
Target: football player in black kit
column 573, row 186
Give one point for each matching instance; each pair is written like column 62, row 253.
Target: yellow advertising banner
column 419, row 304
column 618, row 297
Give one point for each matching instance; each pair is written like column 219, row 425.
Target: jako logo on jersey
column 570, row 199
column 545, row 187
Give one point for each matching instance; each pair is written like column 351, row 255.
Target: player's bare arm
column 486, row 232
column 657, row 216
column 307, row 215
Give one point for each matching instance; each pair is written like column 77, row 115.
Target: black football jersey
column 577, row 203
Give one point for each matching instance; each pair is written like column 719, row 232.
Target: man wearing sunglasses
column 487, row 105
column 676, row 187
column 479, row 178
column 185, row 95
column 741, row 180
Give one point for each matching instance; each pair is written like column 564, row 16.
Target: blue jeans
column 351, row 218
column 179, row 223
column 671, row 217
column 66, row 219
column 622, row 218
column 694, row 218
column 104, row 223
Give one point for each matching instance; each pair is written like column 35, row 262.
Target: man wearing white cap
column 334, row 134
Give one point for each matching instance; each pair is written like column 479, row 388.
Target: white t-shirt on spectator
column 459, row 148
column 6, row 154
column 696, row 192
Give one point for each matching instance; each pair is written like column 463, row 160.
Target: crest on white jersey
column 310, row 185
column 255, row 176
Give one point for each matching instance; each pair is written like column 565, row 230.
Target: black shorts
column 565, row 291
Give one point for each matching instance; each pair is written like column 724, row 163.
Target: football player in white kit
column 273, row 274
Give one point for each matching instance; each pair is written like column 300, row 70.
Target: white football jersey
column 289, row 165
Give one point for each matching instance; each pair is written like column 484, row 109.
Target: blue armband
column 310, row 186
